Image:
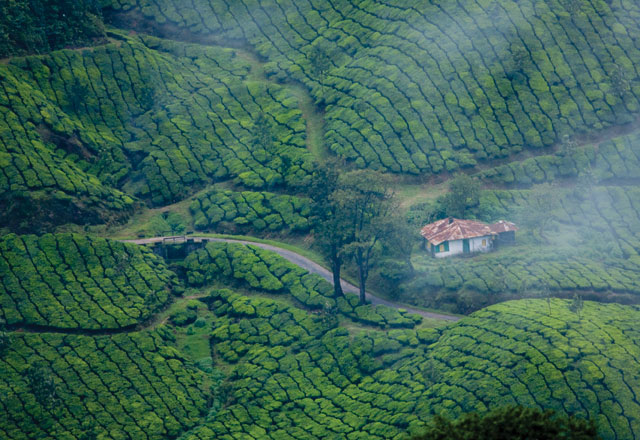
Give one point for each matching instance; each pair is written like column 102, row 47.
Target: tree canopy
column 510, row 423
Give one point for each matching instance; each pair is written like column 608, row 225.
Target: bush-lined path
column 306, row 264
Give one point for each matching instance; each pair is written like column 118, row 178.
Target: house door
column 465, row 245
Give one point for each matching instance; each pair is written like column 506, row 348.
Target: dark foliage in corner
column 510, row 423
column 40, row 26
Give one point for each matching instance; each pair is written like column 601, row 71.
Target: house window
column 484, row 242
column 444, row 247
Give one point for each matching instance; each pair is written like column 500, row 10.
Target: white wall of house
column 455, row 247
column 477, row 244
column 480, row 244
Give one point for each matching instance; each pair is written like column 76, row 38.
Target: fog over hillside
column 319, row 219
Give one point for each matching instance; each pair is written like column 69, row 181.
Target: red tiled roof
column 503, row 226
column 454, row 229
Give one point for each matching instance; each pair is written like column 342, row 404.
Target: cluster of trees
column 40, row 26
column 355, row 218
column 510, row 423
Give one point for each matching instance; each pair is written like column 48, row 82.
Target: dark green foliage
column 149, row 117
column 122, row 386
column 39, row 26
column 250, row 266
column 434, row 87
column 76, row 282
column 228, row 211
column 463, row 196
column 510, row 423
column 41, row 384
column 514, row 353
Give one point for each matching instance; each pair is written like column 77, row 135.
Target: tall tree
column 330, row 228
column 364, row 198
column 463, row 195
column 320, row 62
column 41, row 383
column 5, row 339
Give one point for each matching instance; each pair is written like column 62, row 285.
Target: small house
column 452, row 236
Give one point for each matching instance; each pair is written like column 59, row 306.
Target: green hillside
column 279, row 369
column 433, row 87
column 69, row 281
column 150, row 117
column 128, row 124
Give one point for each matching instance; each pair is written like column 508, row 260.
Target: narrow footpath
column 308, row 265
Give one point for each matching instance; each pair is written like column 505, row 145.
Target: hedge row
column 536, row 354
column 153, row 117
column 254, row 210
column 292, row 376
column 433, row 87
column 253, row 267
column 129, row 386
column 77, row 282
column 618, row 158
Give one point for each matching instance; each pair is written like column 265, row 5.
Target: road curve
column 305, row 263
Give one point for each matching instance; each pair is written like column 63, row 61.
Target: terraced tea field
column 130, row 386
column 141, row 119
column 67, row 281
column 152, row 117
column 429, row 87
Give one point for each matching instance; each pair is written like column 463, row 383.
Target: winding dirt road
column 303, row 262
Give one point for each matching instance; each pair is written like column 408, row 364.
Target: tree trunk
column 362, row 275
column 336, row 263
column 363, row 296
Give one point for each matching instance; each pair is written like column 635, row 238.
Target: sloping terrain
column 432, row 87
column 208, row 116
column 154, row 118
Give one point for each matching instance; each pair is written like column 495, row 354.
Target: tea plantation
column 130, row 386
column 429, row 87
column 154, row 118
column 590, row 246
column 612, row 161
column 255, row 211
column 70, row 281
column 266, row 271
column 123, row 119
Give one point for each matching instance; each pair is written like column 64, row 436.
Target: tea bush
column 126, row 386
column 71, row 281
column 258, row 211
column 256, row 268
column 436, row 87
